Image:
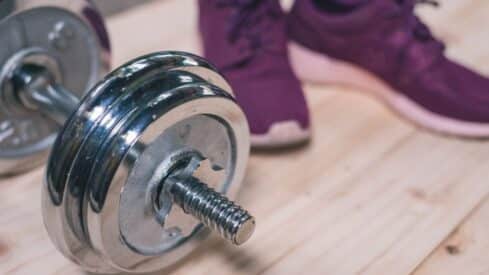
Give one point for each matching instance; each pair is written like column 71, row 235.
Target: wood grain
column 370, row 194
column 465, row 251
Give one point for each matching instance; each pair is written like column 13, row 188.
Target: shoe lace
column 249, row 22
column 420, row 33
column 419, row 30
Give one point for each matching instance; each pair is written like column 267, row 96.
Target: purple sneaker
column 246, row 40
column 382, row 47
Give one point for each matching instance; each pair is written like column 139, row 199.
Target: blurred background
column 110, row 7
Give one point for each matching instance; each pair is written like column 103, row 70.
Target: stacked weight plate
column 108, row 152
column 69, row 38
column 112, row 153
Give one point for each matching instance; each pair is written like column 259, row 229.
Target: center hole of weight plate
column 199, row 146
column 184, row 163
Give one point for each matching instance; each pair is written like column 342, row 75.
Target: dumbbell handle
column 36, row 89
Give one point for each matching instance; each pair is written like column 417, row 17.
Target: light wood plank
column 465, row 252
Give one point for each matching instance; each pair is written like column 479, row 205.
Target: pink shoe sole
column 325, row 70
column 281, row 134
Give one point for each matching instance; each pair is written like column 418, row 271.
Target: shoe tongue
column 360, row 17
column 349, row 3
column 253, row 27
column 405, row 3
column 340, row 7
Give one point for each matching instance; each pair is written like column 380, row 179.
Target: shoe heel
column 319, row 68
column 311, row 65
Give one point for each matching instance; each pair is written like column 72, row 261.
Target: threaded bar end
column 213, row 209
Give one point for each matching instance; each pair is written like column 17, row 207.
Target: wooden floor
column 369, row 195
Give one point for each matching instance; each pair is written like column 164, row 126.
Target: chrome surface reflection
column 102, row 142
column 72, row 34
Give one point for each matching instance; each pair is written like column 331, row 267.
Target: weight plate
column 143, row 102
column 140, row 252
column 69, row 34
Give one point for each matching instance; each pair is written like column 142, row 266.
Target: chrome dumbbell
column 141, row 166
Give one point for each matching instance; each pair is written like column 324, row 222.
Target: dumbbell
column 143, row 163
